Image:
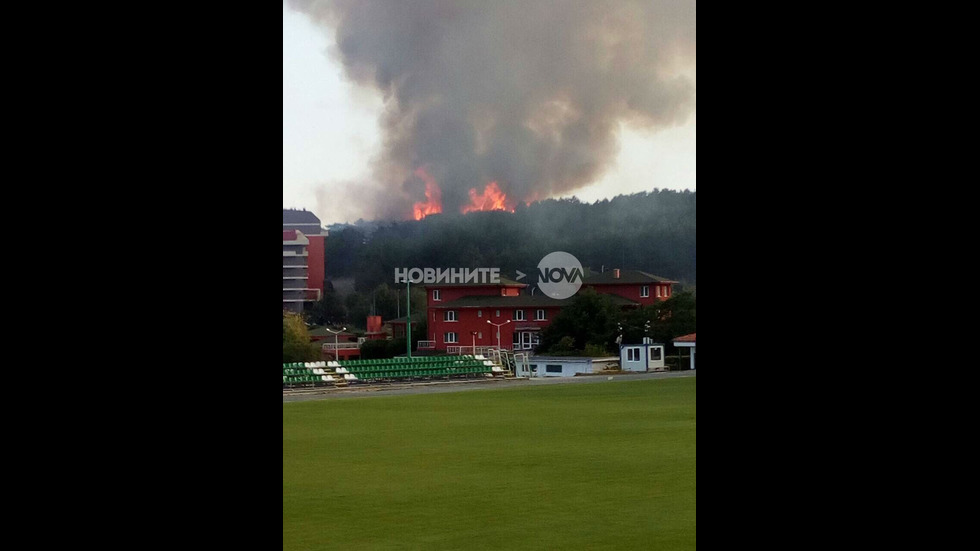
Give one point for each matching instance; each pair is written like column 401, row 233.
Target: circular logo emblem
column 559, row 275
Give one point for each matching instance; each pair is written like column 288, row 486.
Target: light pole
column 336, row 346
column 498, row 326
column 408, row 312
column 474, row 341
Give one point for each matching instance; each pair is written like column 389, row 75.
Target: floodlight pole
column 408, row 309
column 336, row 345
column 498, row 326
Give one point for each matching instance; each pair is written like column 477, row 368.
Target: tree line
column 592, row 325
column 387, row 301
column 651, row 231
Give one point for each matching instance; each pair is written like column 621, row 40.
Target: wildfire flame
column 491, row 199
column 433, row 196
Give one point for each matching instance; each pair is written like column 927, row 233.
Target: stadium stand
column 346, row 372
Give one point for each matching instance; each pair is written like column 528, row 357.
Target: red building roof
column 687, row 338
column 623, row 277
column 291, row 216
column 518, row 301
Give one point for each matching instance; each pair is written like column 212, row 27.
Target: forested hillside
column 655, row 232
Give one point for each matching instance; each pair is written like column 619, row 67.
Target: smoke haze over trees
column 655, row 232
column 528, row 95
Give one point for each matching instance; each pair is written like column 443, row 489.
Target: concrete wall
column 315, row 262
column 568, row 366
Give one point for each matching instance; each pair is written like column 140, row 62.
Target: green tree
column 329, row 310
column 340, row 251
column 590, row 319
column 375, row 350
column 650, row 231
column 663, row 322
column 382, row 349
column 420, row 308
column 296, row 345
column 385, row 301
column 678, row 316
column 358, row 309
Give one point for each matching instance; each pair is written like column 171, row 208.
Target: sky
column 332, row 137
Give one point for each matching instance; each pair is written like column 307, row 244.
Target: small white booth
column 642, row 357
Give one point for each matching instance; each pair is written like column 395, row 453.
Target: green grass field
column 610, row 465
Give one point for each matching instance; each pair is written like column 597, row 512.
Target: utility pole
column 408, row 308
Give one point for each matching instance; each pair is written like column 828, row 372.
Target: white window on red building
column 450, row 338
column 479, row 313
column 480, row 335
column 645, row 291
column 435, row 295
column 518, row 315
column 540, row 315
column 498, row 313
column 450, row 315
column 660, row 291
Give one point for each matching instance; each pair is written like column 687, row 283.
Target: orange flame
column 491, row 199
column 433, row 196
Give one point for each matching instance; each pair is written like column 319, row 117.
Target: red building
column 399, row 330
column 464, row 316
column 336, row 345
column 302, row 259
column 633, row 285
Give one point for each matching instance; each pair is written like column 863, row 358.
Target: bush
column 396, row 347
column 375, row 350
column 595, row 351
column 382, row 349
column 296, row 345
column 565, row 345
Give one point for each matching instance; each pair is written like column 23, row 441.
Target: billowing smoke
column 527, row 94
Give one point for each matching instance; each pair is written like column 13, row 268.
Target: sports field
column 610, row 465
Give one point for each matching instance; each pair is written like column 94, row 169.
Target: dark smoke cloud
column 530, row 94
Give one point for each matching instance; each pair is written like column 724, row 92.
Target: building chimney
column 616, row 273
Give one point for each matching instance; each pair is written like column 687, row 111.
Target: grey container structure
column 559, row 366
column 642, row 357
